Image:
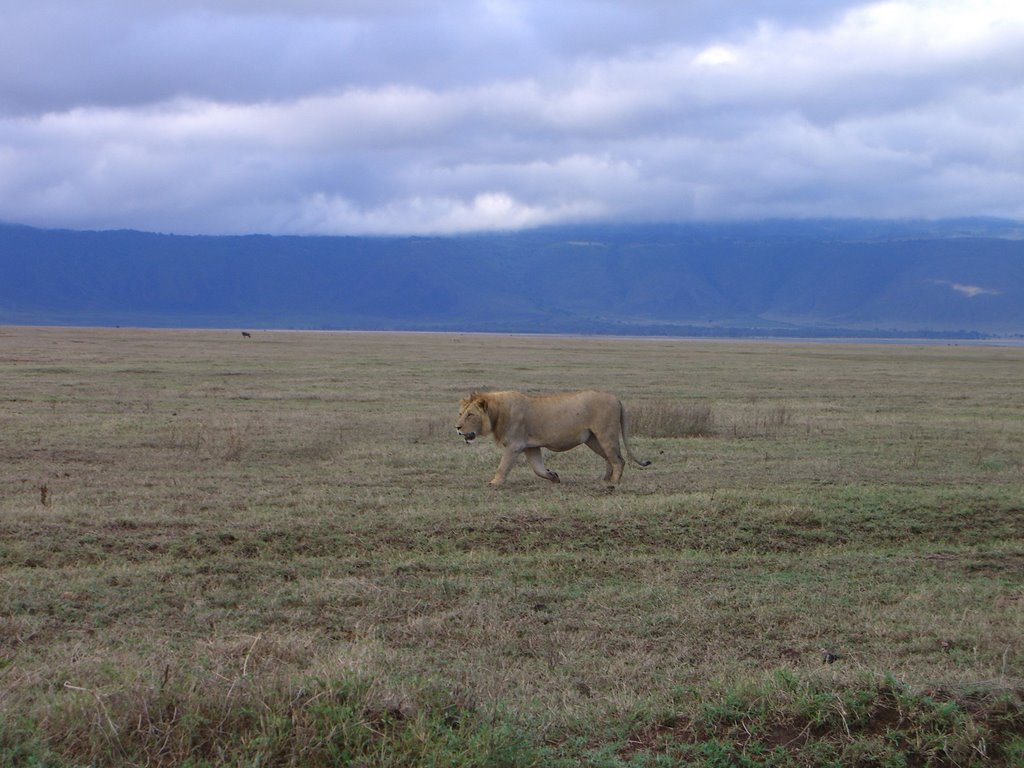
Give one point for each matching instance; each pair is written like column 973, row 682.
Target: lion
column 525, row 424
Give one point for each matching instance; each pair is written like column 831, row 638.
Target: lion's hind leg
column 536, row 459
column 595, row 445
column 613, row 455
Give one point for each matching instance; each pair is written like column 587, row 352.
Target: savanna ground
column 276, row 551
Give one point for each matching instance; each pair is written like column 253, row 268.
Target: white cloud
column 716, row 56
column 970, row 291
column 430, row 215
column 206, row 116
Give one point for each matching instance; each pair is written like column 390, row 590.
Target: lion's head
column 473, row 418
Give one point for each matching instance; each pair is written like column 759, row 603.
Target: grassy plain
column 223, row 551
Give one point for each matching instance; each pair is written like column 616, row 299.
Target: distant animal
column 525, row 424
column 246, row 335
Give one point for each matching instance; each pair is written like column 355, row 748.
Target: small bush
column 777, row 417
column 661, row 418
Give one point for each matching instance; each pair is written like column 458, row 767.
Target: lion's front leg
column 507, row 460
column 536, row 459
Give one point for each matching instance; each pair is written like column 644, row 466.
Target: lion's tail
column 624, row 426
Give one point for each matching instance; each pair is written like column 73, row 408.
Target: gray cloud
column 423, row 116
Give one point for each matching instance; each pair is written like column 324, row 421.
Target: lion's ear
column 476, row 397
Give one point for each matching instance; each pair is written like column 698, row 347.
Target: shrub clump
column 662, row 418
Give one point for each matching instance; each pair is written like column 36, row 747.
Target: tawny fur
column 525, row 424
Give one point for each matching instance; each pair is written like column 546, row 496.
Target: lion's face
column 472, row 421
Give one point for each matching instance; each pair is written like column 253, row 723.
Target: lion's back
column 564, row 415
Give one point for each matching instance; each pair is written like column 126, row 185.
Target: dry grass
column 223, row 552
column 661, row 418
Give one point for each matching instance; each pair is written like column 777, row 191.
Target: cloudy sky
column 439, row 116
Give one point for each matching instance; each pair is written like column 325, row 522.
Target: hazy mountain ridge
column 781, row 277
